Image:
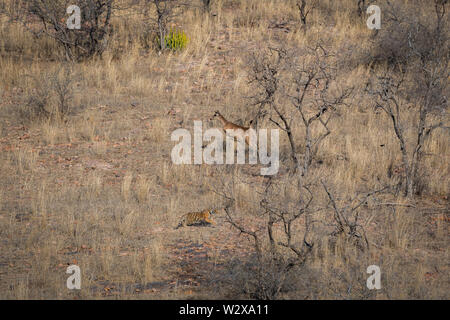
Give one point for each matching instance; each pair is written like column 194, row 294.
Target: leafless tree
column 159, row 15
column 346, row 218
column 313, row 74
column 417, row 85
column 288, row 204
column 315, row 79
column 278, row 251
column 48, row 18
column 305, row 8
column 286, row 228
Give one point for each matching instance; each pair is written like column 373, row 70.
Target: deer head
column 216, row 113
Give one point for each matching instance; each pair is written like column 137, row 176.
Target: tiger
column 197, row 218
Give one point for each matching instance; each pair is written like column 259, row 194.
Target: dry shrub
column 50, row 95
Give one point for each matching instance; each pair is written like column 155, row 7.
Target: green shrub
column 175, row 40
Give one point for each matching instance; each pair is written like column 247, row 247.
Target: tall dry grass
column 99, row 189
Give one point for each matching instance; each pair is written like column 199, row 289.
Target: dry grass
column 99, row 189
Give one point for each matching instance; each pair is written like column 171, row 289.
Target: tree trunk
column 307, row 159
